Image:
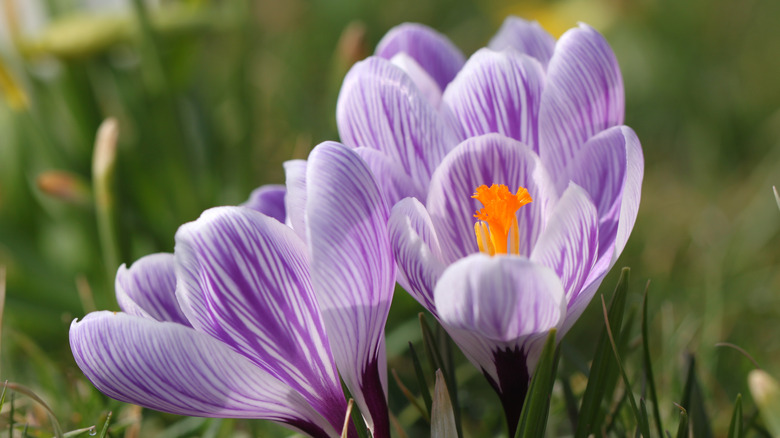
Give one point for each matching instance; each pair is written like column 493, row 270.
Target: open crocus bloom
column 526, row 112
column 248, row 320
column 500, row 269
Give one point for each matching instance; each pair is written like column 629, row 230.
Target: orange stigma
column 497, row 220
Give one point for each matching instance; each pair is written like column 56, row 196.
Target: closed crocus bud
column 64, row 186
column 352, row 45
column 766, row 393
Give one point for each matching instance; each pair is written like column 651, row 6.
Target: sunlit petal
column 352, row 268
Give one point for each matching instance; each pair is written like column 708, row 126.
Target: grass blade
column 357, row 417
column 345, row 428
column 429, row 342
column 648, row 366
column 79, row 432
column 2, row 307
column 693, row 402
column 603, row 366
column 643, row 413
column 735, row 427
column 641, row 421
column 409, row 396
column 571, row 402
column 442, row 416
column 29, row 393
column 2, row 396
column 682, row 429
column 437, row 362
column 449, row 371
column 533, row 417
column 104, row 431
column 426, row 394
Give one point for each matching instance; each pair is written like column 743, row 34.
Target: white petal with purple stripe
column 379, row 107
column 503, row 298
column 243, row 278
column 148, row 289
column 498, row 92
column 583, row 95
column 569, row 243
column 172, row 368
column 417, row 251
column 352, row 268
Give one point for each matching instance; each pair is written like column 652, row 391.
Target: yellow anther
column 498, row 218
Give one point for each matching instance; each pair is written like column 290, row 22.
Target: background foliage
column 211, row 97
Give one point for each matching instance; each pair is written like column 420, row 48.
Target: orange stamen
column 499, row 221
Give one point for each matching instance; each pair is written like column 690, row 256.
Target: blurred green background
column 212, row 97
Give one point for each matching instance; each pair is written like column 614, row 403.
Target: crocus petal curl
column 148, row 289
column 269, row 200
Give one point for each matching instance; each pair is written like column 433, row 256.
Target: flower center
column 497, row 223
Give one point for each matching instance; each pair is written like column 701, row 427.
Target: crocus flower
column 529, row 114
column 247, row 320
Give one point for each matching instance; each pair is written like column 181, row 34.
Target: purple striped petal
column 172, row 368
column 433, row 51
column 502, row 298
column 379, row 107
column 295, row 197
column 569, row 243
column 269, row 200
column 602, row 171
column 424, row 82
column 352, row 268
column 395, row 183
column 632, row 191
column 526, row 37
column 498, row 310
column 148, row 289
column 416, row 250
column 243, row 278
column 488, row 159
column 582, row 97
column 610, row 167
column 498, row 92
